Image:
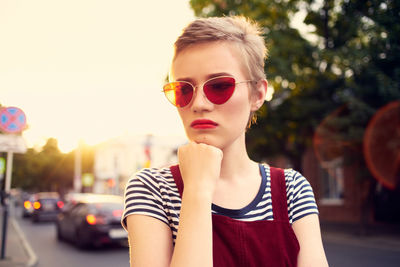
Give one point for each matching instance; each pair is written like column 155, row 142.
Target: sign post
column 78, row 169
column 7, row 185
column 2, row 168
column 12, row 122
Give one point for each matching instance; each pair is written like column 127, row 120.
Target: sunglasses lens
column 219, row 90
column 179, row 93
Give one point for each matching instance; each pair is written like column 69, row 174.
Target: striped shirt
column 153, row 192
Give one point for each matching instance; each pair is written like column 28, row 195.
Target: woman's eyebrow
column 218, row 74
column 185, row 79
column 209, row 76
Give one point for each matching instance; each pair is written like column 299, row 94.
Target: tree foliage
column 48, row 169
column 45, row 170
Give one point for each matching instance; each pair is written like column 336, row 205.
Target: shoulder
column 153, row 174
column 296, row 183
column 151, row 192
column 300, row 196
column 152, row 183
column 294, row 178
column 155, row 179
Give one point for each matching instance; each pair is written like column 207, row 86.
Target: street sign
column 12, row 120
column 12, row 143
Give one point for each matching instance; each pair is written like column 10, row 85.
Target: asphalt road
column 342, row 249
column 51, row 252
column 342, row 252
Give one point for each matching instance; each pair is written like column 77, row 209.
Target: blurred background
column 88, row 76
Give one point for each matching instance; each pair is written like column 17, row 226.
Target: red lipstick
column 203, row 124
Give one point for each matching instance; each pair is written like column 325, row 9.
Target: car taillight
column 36, row 205
column 27, row 204
column 60, row 204
column 93, row 220
column 117, row 213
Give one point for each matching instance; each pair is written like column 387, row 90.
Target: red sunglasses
column 218, row 90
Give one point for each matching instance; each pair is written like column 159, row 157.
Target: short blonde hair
column 241, row 31
column 246, row 34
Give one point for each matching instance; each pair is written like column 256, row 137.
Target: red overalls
column 257, row 243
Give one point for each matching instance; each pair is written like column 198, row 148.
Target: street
column 342, row 249
column 355, row 252
column 51, row 252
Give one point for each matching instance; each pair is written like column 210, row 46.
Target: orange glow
column 91, row 219
column 36, row 205
column 117, row 213
column 111, row 182
column 380, row 153
column 27, row 204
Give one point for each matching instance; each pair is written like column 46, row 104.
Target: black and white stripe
column 153, row 192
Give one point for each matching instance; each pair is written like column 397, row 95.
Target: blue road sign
column 12, row 120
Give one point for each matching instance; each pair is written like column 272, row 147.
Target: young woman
column 218, row 207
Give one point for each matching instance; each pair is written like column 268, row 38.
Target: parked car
column 92, row 220
column 46, row 206
column 75, row 197
column 27, row 205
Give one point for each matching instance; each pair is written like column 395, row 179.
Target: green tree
column 45, row 170
column 361, row 45
column 49, row 169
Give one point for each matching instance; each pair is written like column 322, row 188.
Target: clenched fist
column 200, row 166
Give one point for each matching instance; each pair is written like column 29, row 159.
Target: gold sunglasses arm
column 246, row 81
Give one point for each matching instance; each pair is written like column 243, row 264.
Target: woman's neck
column 236, row 161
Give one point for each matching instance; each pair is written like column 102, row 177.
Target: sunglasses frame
column 202, row 86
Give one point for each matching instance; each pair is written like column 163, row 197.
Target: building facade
column 117, row 159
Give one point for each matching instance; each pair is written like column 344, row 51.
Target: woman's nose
column 200, row 102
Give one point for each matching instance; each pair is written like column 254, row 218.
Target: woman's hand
column 200, row 166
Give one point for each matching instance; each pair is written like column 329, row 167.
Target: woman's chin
column 203, row 140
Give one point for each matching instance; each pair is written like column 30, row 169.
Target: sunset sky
column 90, row 69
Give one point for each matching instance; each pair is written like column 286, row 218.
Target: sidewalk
column 18, row 252
column 383, row 236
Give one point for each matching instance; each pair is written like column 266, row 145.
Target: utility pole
column 78, row 169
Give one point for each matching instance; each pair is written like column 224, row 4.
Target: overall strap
column 278, row 191
column 278, row 194
column 176, row 174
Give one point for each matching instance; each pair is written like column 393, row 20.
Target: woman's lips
column 203, row 124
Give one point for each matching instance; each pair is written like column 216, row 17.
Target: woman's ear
column 258, row 97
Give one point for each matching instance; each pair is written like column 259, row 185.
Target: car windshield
column 48, row 200
column 108, row 207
